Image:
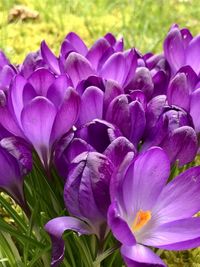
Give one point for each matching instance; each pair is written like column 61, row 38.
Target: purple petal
column 37, row 120
column 116, row 190
column 68, row 113
column 140, row 97
column 19, row 150
column 181, row 145
column 3, row 60
column 57, row 90
column 112, row 89
column 180, row 198
column 99, row 134
column 66, row 48
column 32, row 62
column 138, row 122
column 192, row 78
column 140, row 256
column 114, row 68
column 7, row 119
column 78, row 68
column 16, row 94
column 77, row 43
column 160, row 81
column 192, row 54
column 110, row 38
column 119, row 227
column 142, row 81
column 96, row 52
column 187, row 36
column 178, row 91
column 155, row 108
column 56, row 227
column 194, row 109
column 28, row 94
column 119, row 45
column 60, row 158
column 41, row 79
column 108, row 53
column 6, row 75
column 144, row 180
column 118, row 113
column 174, row 49
column 49, row 58
column 91, row 105
column 131, row 63
column 11, row 179
column 118, row 149
column 90, row 81
column 177, row 235
column 152, row 60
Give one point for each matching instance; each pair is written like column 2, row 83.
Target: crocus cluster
column 113, row 122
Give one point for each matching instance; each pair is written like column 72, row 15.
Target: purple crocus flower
column 100, row 51
column 86, row 191
column 114, row 147
column 160, row 72
column 40, row 109
column 171, row 128
column 16, row 162
column 184, row 91
column 147, row 213
column 105, row 59
column 7, row 72
column 182, row 49
column 86, row 196
column 127, row 112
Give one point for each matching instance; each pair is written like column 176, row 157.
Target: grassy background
column 142, row 23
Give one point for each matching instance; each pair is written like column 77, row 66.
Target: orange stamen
column 141, row 219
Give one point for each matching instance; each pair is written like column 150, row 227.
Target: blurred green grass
column 142, row 23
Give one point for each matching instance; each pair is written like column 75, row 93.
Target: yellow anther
column 141, row 219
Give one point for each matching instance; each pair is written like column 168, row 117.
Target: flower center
column 141, row 219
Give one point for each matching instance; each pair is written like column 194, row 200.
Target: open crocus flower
column 147, row 212
column 40, row 109
column 181, row 49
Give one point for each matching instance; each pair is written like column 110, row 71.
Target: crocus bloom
column 105, row 59
column 171, row 128
column 86, row 191
column 181, row 49
column 86, row 196
column 40, row 109
column 69, row 147
column 184, row 91
column 146, row 212
column 128, row 114
column 100, row 51
column 7, row 72
column 16, row 162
